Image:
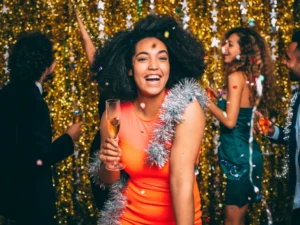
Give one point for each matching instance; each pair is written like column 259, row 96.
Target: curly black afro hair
column 113, row 61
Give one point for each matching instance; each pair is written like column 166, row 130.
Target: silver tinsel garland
column 288, row 123
column 287, row 131
column 171, row 113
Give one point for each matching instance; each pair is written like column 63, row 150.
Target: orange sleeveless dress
column 148, row 191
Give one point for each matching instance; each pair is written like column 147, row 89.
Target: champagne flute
column 113, row 111
column 264, row 124
column 77, row 115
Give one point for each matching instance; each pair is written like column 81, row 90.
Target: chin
column 153, row 93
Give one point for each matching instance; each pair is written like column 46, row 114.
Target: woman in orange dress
column 152, row 70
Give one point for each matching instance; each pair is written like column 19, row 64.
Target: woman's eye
column 163, row 58
column 142, row 59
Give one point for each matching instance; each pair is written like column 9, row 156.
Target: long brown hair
column 255, row 60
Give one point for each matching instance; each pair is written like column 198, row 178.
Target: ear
column 130, row 72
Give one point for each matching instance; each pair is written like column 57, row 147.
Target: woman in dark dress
column 245, row 59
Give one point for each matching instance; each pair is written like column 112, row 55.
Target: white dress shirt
column 39, row 86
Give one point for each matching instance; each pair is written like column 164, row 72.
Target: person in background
column 27, row 194
column 100, row 194
column 290, row 133
column 152, row 70
column 245, row 59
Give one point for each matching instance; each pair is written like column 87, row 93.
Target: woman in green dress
column 245, row 59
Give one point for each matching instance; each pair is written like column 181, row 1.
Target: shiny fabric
column 148, row 192
column 234, row 160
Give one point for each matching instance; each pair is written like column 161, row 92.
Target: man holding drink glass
column 290, row 134
column 27, row 152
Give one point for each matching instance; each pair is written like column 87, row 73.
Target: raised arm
column 87, row 42
column 236, row 83
column 186, row 146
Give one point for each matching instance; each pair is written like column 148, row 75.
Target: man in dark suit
column 27, row 195
column 290, row 134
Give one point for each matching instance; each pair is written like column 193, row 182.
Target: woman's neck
column 148, row 107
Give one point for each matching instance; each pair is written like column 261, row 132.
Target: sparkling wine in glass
column 113, row 110
column 77, row 116
column 264, row 124
column 209, row 93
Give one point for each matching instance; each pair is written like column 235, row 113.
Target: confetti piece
column 166, row 34
column 238, row 57
column 39, row 162
column 225, row 114
column 106, row 83
column 142, row 105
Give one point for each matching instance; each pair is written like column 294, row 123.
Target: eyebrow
column 146, row 53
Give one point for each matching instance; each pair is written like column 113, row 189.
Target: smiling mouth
column 152, row 78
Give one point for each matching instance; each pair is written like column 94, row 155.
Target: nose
column 224, row 49
column 152, row 64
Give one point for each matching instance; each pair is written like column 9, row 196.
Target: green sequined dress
column 234, row 160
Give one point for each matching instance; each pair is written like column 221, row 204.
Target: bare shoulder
column 194, row 110
column 237, row 76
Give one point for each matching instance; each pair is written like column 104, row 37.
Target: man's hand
column 269, row 128
column 75, row 131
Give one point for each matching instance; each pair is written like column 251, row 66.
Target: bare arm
column 87, row 42
column 109, row 152
column 186, row 146
column 236, row 84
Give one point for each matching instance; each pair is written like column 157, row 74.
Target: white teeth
column 152, row 77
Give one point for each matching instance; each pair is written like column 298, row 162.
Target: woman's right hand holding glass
column 110, row 152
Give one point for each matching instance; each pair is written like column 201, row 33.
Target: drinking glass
column 264, row 124
column 77, row 115
column 113, row 111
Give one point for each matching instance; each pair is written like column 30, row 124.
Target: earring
column 238, row 57
column 130, row 72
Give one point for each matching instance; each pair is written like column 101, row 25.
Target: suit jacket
column 27, row 194
column 292, row 146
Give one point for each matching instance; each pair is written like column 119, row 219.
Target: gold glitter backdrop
column 208, row 19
